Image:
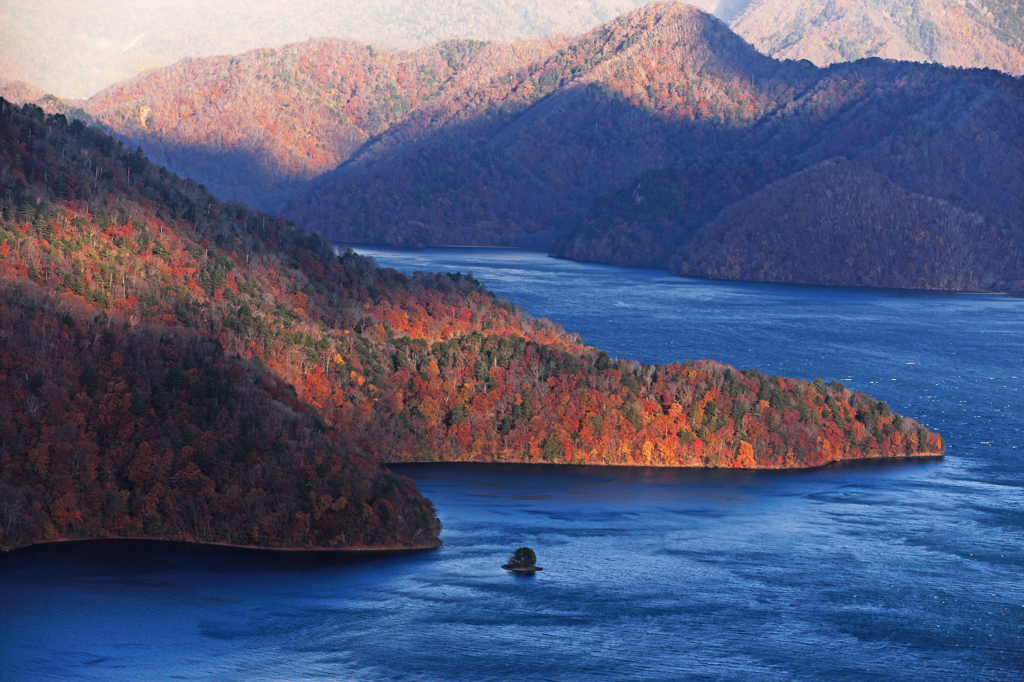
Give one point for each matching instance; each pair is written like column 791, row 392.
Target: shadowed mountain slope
column 254, row 126
column 798, row 229
column 515, row 159
column 951, row 136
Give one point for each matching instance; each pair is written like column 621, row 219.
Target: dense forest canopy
column 174, row 366
column 123, row 414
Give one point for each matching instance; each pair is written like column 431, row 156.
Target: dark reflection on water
column 153, row 556
column 875, row 571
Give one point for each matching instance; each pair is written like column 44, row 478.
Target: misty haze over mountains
column 76, row 49
column 966, row 33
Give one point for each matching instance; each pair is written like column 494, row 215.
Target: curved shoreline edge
column 616, row 465
column 357, row 550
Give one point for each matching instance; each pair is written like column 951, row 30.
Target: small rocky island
column 523, row 560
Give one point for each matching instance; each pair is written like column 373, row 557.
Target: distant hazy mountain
column 20, row 91
column 74, row 49
column 969, row 33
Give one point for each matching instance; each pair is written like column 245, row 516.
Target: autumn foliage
column 174, row 366
column 120, row 413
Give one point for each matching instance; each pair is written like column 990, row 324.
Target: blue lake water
column 899, row 571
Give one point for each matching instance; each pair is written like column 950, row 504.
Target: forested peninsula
column 176, row 367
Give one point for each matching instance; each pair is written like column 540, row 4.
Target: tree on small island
column 524, row 557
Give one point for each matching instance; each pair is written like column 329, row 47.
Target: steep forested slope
column 175, row 366
column 254, row 126
column 114, row 428
column 121, row 413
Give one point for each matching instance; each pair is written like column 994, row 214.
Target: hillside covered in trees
column 621, row 145
column 172, row 366
column 256, row 128
column 796, row 230
column 122, row 414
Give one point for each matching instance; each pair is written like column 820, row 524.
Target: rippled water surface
column 901, row 571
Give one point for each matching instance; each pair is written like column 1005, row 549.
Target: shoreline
column 353, row 245
column 357, row 550
column 522, row 570
column 656, row 268
column 842, row 462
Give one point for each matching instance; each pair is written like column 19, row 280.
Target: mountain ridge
column 511, row 144
column 586, row 82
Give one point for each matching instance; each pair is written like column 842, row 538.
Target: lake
column 891, row 571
